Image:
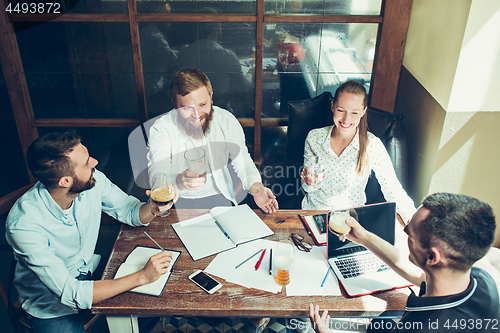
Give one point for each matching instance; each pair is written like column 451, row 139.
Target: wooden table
column 183, row 298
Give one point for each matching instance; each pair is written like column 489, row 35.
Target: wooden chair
column 18, row 318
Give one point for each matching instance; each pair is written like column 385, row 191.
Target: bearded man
column 196, row 123
column 53, row 230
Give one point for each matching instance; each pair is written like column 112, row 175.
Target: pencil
column 257, row 265
column 154, row 241
column 253, row 255
column 271, row 262
column 327, row 272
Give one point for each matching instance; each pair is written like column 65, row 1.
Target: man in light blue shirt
column 54, row 227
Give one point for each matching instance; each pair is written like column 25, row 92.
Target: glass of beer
column 163, row 192
column 196, row 161
column 283, row 260
column 337, row 222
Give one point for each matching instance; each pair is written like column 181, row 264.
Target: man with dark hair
column 53, row 230
column 446, row 236
column 197, row 124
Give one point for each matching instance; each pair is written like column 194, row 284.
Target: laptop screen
column 379, row 219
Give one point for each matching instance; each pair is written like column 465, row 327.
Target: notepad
column 136, row 261
column 220, row 230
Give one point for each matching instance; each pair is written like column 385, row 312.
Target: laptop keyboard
column 360, row 265
column 349, row 250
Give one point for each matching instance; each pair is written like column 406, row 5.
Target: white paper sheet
column 308, row 272
column 306, row 275
column 224, row 265
column 195, row 233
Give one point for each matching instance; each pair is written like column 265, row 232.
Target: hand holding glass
column 196, row 161
column 318, row 173
column 163, row 192
column 283, row 260
column 337, row 222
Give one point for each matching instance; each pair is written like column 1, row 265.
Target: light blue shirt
column 53, row 246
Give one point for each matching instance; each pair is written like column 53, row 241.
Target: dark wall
column 13, row 169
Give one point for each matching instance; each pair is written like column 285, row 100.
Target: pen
column 222, row 229
column 154, row 241
column 253, row 255
column 271, row 262
column 327, row 272
column 257, row 265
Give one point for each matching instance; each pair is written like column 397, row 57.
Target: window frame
column 393, row 26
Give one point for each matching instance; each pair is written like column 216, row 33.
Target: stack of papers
column 306, row 276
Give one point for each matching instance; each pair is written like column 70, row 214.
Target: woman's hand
column 307, row 176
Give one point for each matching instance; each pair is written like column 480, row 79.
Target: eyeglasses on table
column 300, row 243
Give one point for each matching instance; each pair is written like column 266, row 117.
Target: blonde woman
column 348, row 153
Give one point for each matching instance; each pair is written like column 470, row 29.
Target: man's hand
column 264, row 198
column 307, row 176
column 159, row 210
column 188, row 180
column 357, row 234
column 321, row 324
column 156, row 266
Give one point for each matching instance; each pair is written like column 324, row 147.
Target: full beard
column 194, row 131
column 79, row 185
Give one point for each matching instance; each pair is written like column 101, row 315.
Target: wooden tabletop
column 181, row 297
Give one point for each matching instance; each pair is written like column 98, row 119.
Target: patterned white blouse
column 342, row 187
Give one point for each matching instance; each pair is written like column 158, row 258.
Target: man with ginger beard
column 196, row 123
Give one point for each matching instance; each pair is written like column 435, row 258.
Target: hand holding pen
column 159, row 261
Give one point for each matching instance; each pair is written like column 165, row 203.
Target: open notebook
column 136, row 261
column 221, row 229
column 359, row 271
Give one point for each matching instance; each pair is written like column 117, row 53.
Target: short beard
column 79, row 185
column 195, row 131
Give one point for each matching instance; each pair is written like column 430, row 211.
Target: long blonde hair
column 357, row 88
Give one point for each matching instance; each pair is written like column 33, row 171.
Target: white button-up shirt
column 224, row 143
column 342, row 186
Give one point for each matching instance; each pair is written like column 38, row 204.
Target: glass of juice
column 283, row 260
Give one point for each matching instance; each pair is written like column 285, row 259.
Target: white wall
column 453, row 52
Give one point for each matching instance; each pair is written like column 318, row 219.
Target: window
column 108, row 63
